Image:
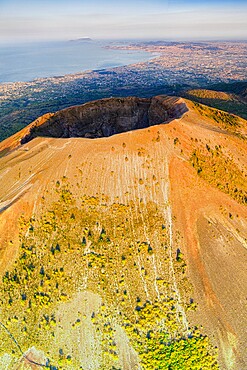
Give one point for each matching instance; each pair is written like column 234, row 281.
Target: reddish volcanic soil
column 152, row 163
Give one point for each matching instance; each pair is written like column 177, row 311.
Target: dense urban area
column 175, row 68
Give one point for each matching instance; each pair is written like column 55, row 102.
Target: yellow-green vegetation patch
column 224, row 120
column 119, row 253
column 210, row 94
column 220, row 171
column 216, row 99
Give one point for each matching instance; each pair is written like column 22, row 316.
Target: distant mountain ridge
column 230, row 97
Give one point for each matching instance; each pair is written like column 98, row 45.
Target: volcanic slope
column 128, row 251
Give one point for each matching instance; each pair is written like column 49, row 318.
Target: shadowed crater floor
column 108, row 117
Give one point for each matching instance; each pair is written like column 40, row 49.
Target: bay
column 26, row 62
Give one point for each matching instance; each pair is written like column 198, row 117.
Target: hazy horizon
column 24, row 20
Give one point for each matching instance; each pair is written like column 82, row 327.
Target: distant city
column 176, row 66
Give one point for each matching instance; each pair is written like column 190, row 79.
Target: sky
column 28, row 20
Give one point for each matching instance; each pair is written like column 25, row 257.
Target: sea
column 26, row 62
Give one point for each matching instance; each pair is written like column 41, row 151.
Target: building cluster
column 183, row 64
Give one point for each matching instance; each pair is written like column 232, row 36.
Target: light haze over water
column 26, row 62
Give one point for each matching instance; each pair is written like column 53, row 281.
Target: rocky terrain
column 128, row 250
column 106, row 117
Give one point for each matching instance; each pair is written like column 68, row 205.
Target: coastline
column 79, row 58
column 178, row 68
column 172, row 57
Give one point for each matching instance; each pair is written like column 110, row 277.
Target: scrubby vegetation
column 118, row 252
column 225, row 120
column 220, row 171
column 238, row 88
column 230, row 103
column 210, row 94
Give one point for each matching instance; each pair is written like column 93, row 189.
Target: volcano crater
column 107, row 117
